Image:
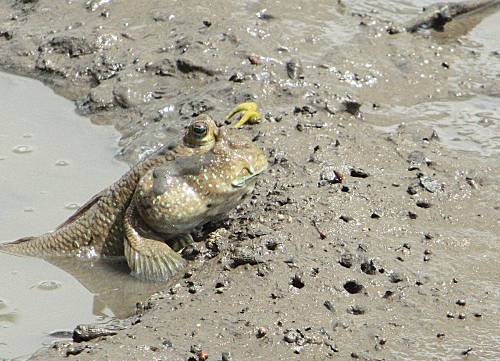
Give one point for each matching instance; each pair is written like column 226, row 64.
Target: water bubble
column 27, row 135
column 72, row 206
column 62, row 163
column 48, row 285
column 29, row 209
column 3, row 304
column 21, row 149
column 2, row 157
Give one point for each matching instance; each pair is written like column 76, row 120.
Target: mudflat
column 374, row 233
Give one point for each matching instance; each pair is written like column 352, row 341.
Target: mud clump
column 70, row 45
column 89, row 332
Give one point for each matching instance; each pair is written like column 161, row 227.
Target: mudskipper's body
column 168, row 194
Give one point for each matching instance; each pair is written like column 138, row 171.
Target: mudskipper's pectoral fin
column 148, row 259
column 248, row 112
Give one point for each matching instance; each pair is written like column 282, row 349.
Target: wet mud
column 374, row 233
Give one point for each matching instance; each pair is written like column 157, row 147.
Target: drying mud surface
column 374, row 234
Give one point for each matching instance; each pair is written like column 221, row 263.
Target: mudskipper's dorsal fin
column 21, row 240
column 80, row 211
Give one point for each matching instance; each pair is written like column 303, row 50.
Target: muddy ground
column 394, row 256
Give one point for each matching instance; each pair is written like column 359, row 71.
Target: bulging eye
column 200, row 129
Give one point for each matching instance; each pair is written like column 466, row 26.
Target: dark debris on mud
column 331, row 255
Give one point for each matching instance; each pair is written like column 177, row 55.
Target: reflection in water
column 110, row 282
column 46, row 302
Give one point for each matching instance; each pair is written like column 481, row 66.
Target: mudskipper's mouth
column 246, row 174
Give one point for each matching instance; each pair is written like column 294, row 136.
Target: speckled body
column 175, row 199
column 195, row 166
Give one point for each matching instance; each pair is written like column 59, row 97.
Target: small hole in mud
column 353, row 287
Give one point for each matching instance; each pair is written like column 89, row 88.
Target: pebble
column 416, row 159
column 190, row 252
column 254, row 60
column 75, row 350
column 388, row 294
column 202, row 356
column 329, row 306
column 291, row 336
column 244, row 255
column 294, row 69
column 423, row 204
column 412, row 215
column 411, row 190
column 346, row 218
column 353, row 287
column 346, row 260
column 237, row 77
column 195, row 348
column 356, row 310
column 359, row 173
column 345, row 188
column 368, row 268
column 460, row 302
column 330, row 176
column 430, row 184
column 89, row 332
column 352, row 107
column 226, row 356
column 261, row 332
column 396, row 277
column 471, row 182
column 167, row 343
column 272, row 245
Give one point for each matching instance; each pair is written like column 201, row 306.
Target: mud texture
column 356, row 244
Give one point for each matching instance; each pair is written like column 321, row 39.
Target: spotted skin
column 175, row 199
column 199, row 179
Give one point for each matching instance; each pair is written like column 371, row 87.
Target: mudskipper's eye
column 200, row 129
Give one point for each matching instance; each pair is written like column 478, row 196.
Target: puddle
column 468, row 122
column 397, row 11
column 51, row 161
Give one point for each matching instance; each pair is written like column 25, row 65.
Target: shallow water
column 51, row 161
column 467, row 122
